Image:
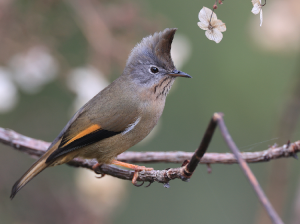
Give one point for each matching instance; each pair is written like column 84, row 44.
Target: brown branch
column 35, row 148
column 252, row 179
column 197, row 156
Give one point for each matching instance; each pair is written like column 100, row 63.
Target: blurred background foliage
column 55, row 55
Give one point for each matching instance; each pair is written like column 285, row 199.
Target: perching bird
column 119, row 116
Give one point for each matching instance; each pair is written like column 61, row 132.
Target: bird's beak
column 177, row 73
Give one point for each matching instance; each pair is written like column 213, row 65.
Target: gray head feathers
column 154, row 49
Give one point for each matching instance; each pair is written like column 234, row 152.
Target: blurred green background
column 55, row 55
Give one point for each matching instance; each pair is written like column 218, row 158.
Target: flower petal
column 205, row 14
column 256, row 9
column 261, row 17
column 214, row 35
column 218, row 24
column 203, row 26
column 254, row 2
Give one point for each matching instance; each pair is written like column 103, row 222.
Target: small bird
column 119, row 116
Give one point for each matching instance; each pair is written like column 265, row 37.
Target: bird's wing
column 93, row 123
column 66, row 127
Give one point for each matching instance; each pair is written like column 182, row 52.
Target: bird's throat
column 162, row 89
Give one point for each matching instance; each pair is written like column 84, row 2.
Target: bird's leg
column 94, row 167
column 136, row 169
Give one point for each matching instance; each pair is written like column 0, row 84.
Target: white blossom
column 212, row 25
column 8, row 91
column 34, row 68
column 257, row 8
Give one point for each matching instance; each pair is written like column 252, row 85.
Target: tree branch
column 198, row 155
column 35, row 148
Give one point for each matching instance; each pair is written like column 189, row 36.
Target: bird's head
column 150, row 60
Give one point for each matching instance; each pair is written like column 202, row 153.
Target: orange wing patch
column 83, row 133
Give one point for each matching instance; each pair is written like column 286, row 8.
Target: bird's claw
column 101, row 175
column 138, row 185
column 134, row 180
column 150, row 182
column 96, row 168
column 136, row 175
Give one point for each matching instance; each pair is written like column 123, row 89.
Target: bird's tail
column 34, row 170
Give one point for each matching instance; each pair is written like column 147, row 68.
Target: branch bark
column 35, row 148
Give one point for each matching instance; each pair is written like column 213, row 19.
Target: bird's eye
column 154, row 69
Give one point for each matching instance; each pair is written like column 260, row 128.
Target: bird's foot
column 97, row 171
column 94, row 167
column 101, row 176
column 136, row 169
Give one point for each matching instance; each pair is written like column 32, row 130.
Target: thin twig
column 252, row 179
column 202, row 147
column 212, row 12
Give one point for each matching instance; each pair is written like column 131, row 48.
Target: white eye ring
column 153, row 69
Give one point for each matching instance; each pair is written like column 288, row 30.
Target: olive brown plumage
column 119, row 116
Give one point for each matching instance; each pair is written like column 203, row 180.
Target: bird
column 120, row 115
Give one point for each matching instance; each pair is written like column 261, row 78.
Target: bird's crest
column 155, row 47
